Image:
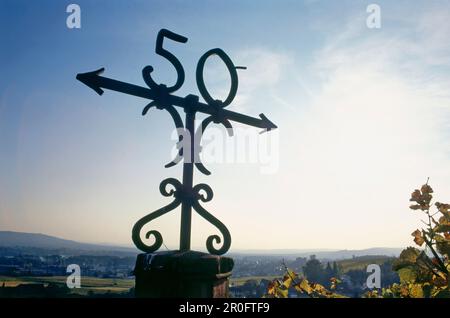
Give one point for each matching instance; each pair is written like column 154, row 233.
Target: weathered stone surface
column 182, row 274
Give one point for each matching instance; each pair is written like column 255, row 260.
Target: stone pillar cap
column 185, row 263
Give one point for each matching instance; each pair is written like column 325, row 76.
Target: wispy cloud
column 373, row 128
column 265, row 69
column 373, row 132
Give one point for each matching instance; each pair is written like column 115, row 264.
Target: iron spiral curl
column 136, row 232
column 211, row 219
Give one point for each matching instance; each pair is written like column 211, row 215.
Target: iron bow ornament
column 184, row 193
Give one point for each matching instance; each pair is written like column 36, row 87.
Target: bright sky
column 363, row 117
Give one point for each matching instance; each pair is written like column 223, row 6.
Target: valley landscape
column 35, row 265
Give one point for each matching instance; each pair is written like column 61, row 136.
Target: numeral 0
column 231, row 69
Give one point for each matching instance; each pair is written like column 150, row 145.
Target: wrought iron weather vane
column 185, row 194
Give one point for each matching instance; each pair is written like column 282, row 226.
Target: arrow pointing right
column 267, row 124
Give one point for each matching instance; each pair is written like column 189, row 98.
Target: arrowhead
column 90, row 79
column 266, row 123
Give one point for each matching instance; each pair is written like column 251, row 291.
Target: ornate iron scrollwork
column 136, row 232
column 186, row 195
column 180, row 194
column 211, row 219
column 162, row 102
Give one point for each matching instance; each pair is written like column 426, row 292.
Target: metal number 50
column 164, row 33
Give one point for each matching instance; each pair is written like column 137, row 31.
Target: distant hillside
column 325, row 254
column 30, row 242
column 361, row 262
column 20, row 240
column 346, row 254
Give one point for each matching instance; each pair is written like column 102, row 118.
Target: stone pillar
column 188, row 274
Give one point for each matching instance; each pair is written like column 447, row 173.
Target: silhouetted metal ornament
column 231, row 69
column 136, row 232
column 184, row 193
column 146, row 72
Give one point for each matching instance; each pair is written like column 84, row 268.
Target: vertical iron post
column 188, row 176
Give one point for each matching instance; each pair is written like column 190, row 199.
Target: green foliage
column 315, row 272
column 279, row 288
column 424, row 273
